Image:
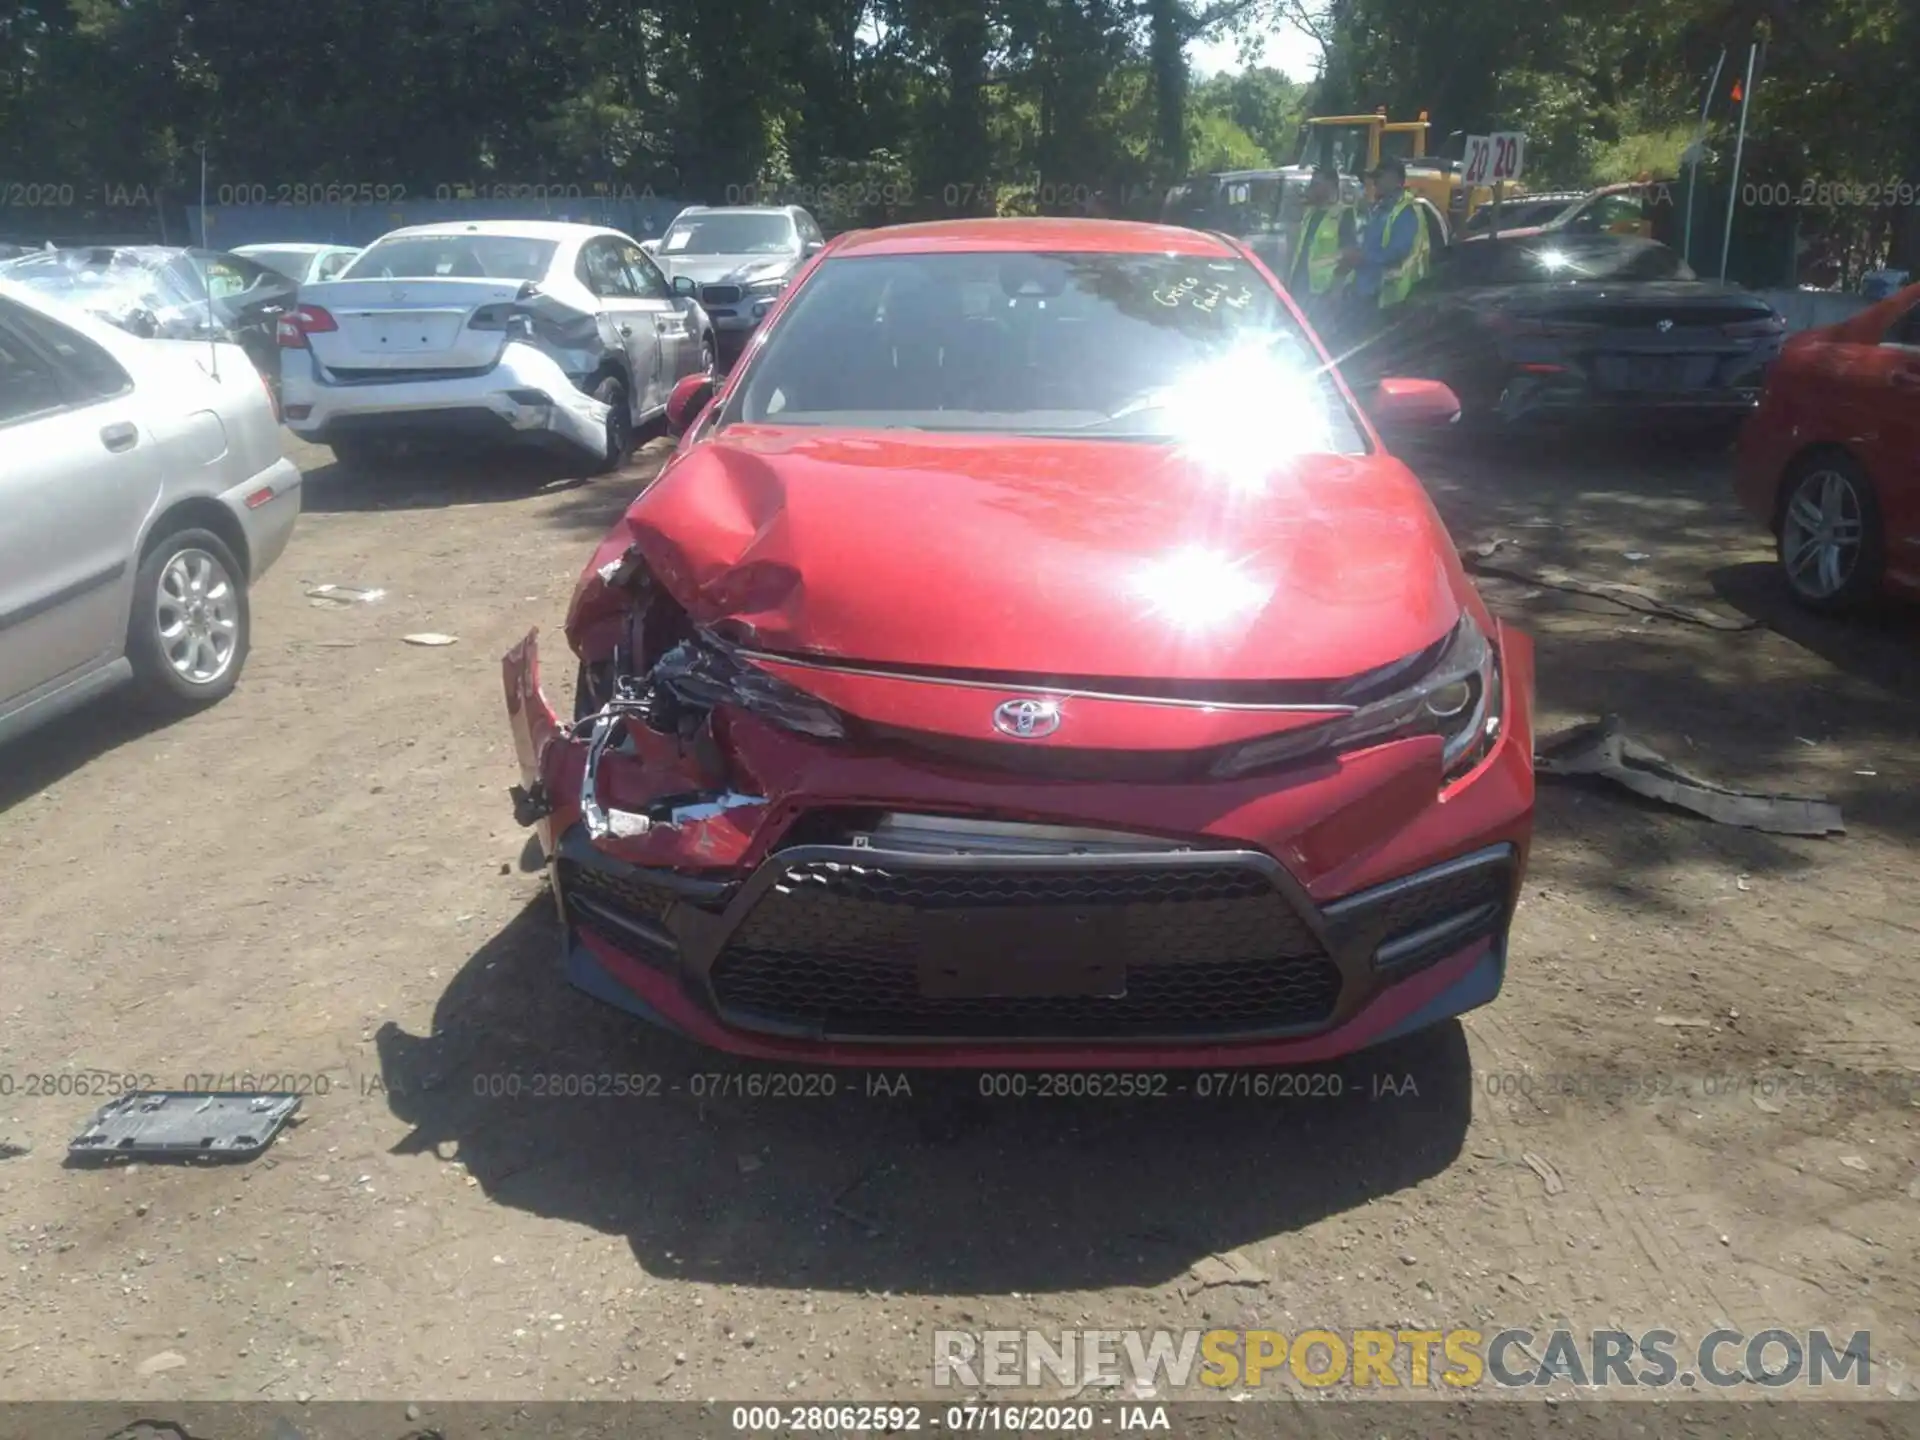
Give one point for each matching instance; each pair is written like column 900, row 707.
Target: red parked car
column 1032, row 656
column 1830, row 462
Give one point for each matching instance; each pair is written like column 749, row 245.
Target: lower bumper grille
column 625, row 894
column 1207, row 948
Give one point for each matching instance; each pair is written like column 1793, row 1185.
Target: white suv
column 534, row 331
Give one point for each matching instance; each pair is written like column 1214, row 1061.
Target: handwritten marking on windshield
column 1202, row 296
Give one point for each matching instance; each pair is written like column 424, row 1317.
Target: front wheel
column 188, row 635
column 1831, row 543
column 709, row 357
column 612, row 393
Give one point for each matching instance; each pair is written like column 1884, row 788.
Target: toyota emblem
column 1027, row 719
column 1664, row 326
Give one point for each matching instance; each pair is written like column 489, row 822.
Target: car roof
column 1128, row 237
column 301, row 247
column 736, row 210
column 512, row 229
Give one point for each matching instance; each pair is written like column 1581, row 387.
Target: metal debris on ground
column 1549, row 1177
column 1681, row 1022
column 430, row 638
column 344, row 594
column 1598, row 748
column 1630, row 597
column 183, row 1125
column 1232, row 1268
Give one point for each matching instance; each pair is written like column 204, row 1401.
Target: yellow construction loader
column 1354, row 144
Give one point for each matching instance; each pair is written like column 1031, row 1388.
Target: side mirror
column 1413, row 405
column 689, row 398
column 813, row 247
column 683, row 286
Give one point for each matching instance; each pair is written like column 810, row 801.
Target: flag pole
column 1739, row 149
column 1699, row 140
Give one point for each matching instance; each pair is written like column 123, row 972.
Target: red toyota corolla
column 1031, row 656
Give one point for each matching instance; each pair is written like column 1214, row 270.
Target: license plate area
column 1020, row 952
column 407, row 333
column 1649, row 373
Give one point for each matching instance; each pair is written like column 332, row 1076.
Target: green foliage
column 884, row 110
column 1657, row 152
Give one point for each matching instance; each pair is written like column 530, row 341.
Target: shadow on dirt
column 43, row 758
column 435, row 481
column 1881, row 647
column 904, row 1182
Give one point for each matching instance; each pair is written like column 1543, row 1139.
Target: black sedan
column 1561, row 326
column 168, row 292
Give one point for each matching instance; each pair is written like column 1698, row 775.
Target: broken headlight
column 1456, row 697
column 704, row 672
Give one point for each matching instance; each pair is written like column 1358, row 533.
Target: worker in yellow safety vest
column 1392, row 254
column 1327, row 231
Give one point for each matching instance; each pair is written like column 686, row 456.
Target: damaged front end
column 644, row 766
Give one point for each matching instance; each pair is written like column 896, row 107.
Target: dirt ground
column 321, row 879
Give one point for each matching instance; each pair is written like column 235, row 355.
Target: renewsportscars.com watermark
column 1401, row 1359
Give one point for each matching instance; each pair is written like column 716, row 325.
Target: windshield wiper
column 1156, row 401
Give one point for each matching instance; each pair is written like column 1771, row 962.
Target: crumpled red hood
column 1060, row 558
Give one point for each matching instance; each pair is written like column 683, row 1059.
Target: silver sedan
column 143, row 490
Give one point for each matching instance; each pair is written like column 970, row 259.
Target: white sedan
column 301, row 263
column 544, row 332
column 143, row 490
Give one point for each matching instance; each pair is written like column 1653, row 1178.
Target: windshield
column 1114, row 346
column 1245, row 207
column 291, row 263
column 142, row 293
column 1397, row 145
column 1555, row 260
column 460, row 257
column 1517, row 214
column 724, row 234
column 1334, row 147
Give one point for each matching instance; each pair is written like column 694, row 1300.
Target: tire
column 189, row 567
column 709, row 356
column 1830, row 540
column 612, row 392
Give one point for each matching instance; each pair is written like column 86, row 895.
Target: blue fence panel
column 226, row 226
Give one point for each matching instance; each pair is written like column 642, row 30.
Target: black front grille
column 720, row 295
column 627, row 894
column 1208, row 950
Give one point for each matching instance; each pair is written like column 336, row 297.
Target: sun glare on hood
column 1238, row 416
column 1198, row 589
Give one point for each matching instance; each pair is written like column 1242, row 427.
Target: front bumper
column 526, row 396
column 1389, row 913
